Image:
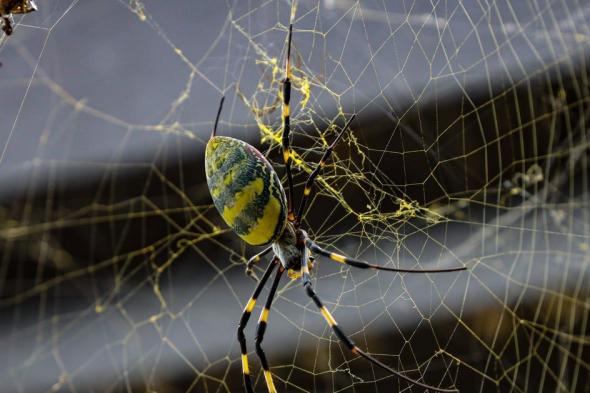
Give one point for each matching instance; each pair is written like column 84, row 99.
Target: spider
column 249, row 196
column 9, row 7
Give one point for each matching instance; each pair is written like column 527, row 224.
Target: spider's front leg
column 311, row 179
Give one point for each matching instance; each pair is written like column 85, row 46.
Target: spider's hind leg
column 261, row 329
column 244, row 321
column 350, row 345
column 365, row 265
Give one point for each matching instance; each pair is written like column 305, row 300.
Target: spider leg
column 254, row 260
column 364, row 265
column 217, row 118
column 316, row 171
column 261, row 329
column 244, row 321
column 287, row 125
column 346, row 340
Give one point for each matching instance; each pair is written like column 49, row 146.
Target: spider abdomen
column 245, row 190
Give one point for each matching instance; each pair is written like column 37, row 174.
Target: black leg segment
column 261, row 329
column 287, row 126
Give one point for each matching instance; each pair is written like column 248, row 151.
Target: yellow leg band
column 337, row 258
column 269, row 382
column 328, row 317
column 245, row 367
column 250, row 305
column 264, row 315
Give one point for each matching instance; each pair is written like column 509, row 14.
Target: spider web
column 470, row 148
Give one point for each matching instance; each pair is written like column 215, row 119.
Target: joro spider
column 249, row 196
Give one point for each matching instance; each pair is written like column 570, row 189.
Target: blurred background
column 470, row 148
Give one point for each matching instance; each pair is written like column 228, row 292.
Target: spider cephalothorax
column 248, row 194
column 290, row 247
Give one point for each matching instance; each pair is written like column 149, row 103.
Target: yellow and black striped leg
column 261, row 329
column 287, row 126
column 253, row 261
column 244, row 321
column 364, row 265
column 316, row 172
column 351, row 345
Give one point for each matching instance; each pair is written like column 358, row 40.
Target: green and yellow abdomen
column 246, row 190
